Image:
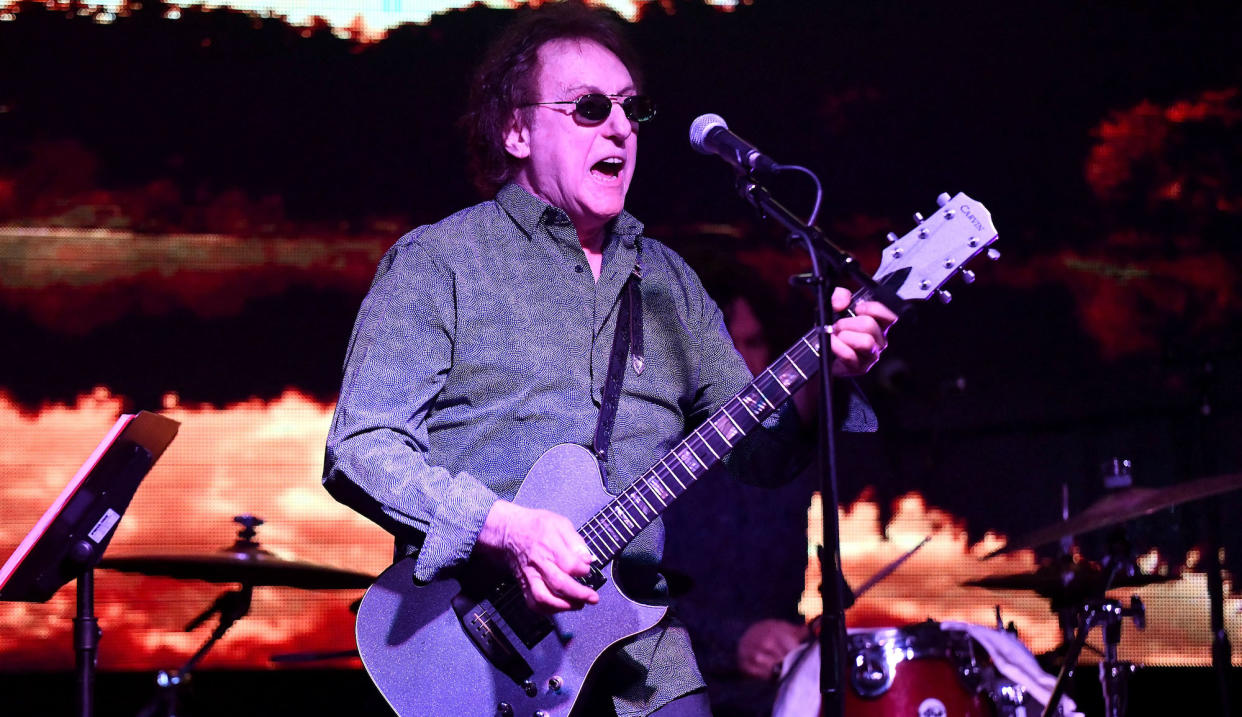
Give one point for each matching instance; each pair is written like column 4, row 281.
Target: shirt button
column 578, row 268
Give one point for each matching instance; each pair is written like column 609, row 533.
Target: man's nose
column 618, row 125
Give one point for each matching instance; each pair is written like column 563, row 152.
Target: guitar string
column 512, row 592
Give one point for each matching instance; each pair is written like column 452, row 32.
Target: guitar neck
column 613, row 527
column 914, row 267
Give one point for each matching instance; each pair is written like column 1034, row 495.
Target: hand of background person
column 765, row 643
column 544, row 552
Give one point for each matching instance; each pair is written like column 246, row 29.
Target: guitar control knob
column 968, row 276
column 529, row 688
column 556, row 683
column 942, row 199
column 504, row 709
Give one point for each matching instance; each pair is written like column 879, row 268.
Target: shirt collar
column 530, row 212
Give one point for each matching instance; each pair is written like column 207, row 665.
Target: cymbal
column 242, row 563
column 1055, row 580
column 1123, row 505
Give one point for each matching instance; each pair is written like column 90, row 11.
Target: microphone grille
column 700, row 127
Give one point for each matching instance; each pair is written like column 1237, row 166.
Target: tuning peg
column 943, row 199
column 918, row 217
column 968, row 276
column 892, row 237
column 993, row 254
column 945, row 296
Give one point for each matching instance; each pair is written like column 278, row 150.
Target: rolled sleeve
column 378, row 446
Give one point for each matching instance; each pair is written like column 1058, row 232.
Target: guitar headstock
column 918, row 264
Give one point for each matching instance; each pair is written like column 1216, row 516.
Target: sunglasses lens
column 639, row 108
column 593, row 107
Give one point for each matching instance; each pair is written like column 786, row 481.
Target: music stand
column 71, row 537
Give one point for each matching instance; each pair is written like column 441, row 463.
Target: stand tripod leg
column 86, row 643
column 1115, row 677
column 1222, row 651
column 1071, row 661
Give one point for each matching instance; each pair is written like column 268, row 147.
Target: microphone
column 710, row 135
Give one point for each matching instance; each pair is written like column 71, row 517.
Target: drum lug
column 872, row 675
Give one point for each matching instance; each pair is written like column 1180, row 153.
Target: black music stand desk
column 71, row 537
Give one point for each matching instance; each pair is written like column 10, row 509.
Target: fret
column 639, row 491
column 683, row 465
column 672, row 473
column 694, row 458
column 592, row 545
column 603, row 537
column 752, row 400
column 725, row 427
column 795, row 366
column 764, row 396
column 778, row 383
column 614, row 536
column 725, row 410
column 627, row 520
column 703, row 440
column 790, row 378
column 658, row 488
column 690, row 447
column 809, row 346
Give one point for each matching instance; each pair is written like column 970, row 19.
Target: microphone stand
column 832, row 638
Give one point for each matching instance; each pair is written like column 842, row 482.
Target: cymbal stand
column 1114, row 673
column 232, row 606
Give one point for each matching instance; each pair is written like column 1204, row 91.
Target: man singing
column 485, row 340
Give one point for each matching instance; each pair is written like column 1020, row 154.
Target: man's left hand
column 858, row 340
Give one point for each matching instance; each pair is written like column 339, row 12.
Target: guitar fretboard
column 612, row 528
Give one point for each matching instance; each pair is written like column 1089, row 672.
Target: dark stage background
column 192, row 203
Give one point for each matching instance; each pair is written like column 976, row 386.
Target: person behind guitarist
column 484, row 340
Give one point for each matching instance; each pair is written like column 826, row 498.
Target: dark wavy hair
column 505, row 80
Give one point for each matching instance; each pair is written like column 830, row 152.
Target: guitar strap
column 628, row 341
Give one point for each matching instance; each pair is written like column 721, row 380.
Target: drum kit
column 934, row 669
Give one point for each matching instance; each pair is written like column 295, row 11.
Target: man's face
column 582, row 167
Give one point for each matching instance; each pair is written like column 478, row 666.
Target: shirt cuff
column 454, row 527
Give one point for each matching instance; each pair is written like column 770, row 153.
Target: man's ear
column 517, row 136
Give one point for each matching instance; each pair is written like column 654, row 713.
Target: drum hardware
column 1114, row 673
column 1066, row 582
column 244, row 562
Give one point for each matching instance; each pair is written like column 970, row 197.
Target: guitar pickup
column 482, row 625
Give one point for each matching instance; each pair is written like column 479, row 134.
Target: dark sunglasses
column 596, row 106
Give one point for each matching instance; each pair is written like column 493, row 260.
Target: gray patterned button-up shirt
column 484, row 341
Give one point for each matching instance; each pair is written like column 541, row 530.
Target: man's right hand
column 544, row 552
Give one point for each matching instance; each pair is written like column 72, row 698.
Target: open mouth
column 609, row 168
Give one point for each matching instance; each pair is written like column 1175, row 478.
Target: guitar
column 466, row 644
